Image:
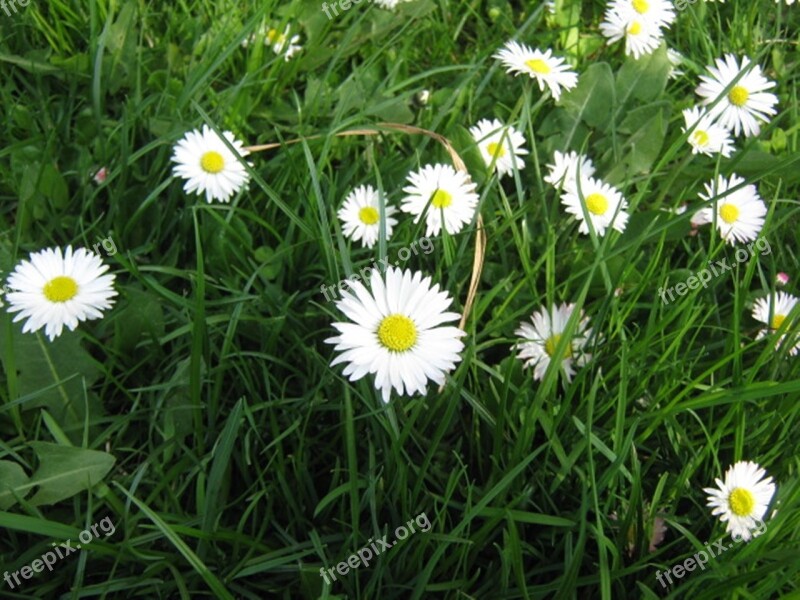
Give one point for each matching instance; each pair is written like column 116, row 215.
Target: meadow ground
column 193, row 438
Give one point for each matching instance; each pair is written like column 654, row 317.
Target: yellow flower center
column 368, row 215
column 496, row 149
column 442, row 199
column 597, row 204
column 552, row 343
column 537, row 65
column 738, row 96
column 397, row 333
column 777, row 321
column 273, row 33
column 60, row 289
column 729, row 213
column 635, row 28
column 640, row 6
column 741, row 502
column 700, row 137
column 212, row 162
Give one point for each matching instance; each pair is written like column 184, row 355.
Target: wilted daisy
column 741, row 501
column 448, row 194
column 642, row 36
column 746, row 103
column 500, row 146
column 396, row 333
column 547, row 69
column 566, row 168
column 52, row 290
column 360, row 216
column 540, row 341
column 773, row 312
column 740, row 214
column 207, row 165
column 604, row 204
column 707, row 137
column 280, row 43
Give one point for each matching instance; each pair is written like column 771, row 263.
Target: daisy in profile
column 773, row 312
column 541, row 339
column 546, row 69
column 396, row 332
column 389, row 4
column 642, row 36
column 52, row 290
column 360, row 216
column 204, row 161
column 449, row 196
column 563, row 173
column 500, row 146
column 741, row 501
column 707, row 137
column 675, row 59
column 744, row 104
column 740, row 213
column 604, row 205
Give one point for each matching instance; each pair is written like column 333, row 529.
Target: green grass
column 244, row 463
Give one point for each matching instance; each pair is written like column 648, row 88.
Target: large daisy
column 773, row 312
column 500, row 145
column 52, row 290
column 360, row 215
column 602, row 202
column 546, row 69
column 449, row 196
column 745, row 103
column 707, row 137
column 207, row 165
column 541, row 341
column 741, row 500
column 396, row 332
column 565, row 169
column 642, row 36
column 739, row 214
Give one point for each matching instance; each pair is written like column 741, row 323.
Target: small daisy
column 741, row 501
column 566, row 169
column 746, row 103
column 499, row 145
column 707, row 137
column 52, row 290
column 773, row 312
column 781, row 278
column 740, row 214
column 280, row 43
column 540, row 341
column 449, row 196
column 604, row 204
column 642, row 37
column 395, row 332
column 207, row 165
column 360, row 216
column 547, row 69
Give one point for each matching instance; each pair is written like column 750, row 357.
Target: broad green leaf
column 643, row 79
column 592, row 101
column 12, row 477
column 65, row 471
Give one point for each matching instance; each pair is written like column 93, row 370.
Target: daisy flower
column 389, row 3
column 547, row 69
column 448, row 194
column 360, row 216
column 781, row 278
column 280, row 43
column 675, row 59
column 740, row 214
column 741, row 501
column 540, row 341
column 657, row 13
column 642, row 36
column 396, row 332
column 205, row 162
column 566, row 168
column 746, row 103
column 500, row 146
column 773, row 312
column 707, row 137
column 604, row 205
column 52, row 290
